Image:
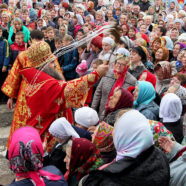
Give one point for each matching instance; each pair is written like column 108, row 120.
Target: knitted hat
column 141, row 52
column 39, row 54
column 86, row 117
column 97, row 42
column 108, row 40
column 82, row 68
column 62, row 129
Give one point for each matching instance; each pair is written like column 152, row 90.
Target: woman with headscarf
column 81, row 157
column 177, row 64
column 169, row 45
column 120, row 99
column 162, row 54
column 26, row 155
column 107, row 54
column 163, row 73
column 119, row 77
column 170, row 112
column 99, row 18
column 144, row 95
column 62, row 131
column 102, row 138
column 176, row 50
column 18, row 26
column 136, row 156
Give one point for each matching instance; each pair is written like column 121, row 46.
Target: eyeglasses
column 120, row 64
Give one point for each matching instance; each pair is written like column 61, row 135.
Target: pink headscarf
column 26, row 155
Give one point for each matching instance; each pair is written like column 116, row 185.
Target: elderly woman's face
column 180, row 55
column 178, row 26
column 176, row 50
column 174, row 34
column 106, row 47
column 134, row 57
column 99, row 16
column 17, row 14
column 68, row 157
column 159, row 54
column 114, row 98
column 120, row 65
column 159, row 74
column 17, row 25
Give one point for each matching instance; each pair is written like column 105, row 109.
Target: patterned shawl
column 84, row 158
column 166, row 69
column 26, row 155
column 103, row 138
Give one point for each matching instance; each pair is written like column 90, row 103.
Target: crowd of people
column 100, row 91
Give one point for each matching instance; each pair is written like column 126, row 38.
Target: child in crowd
column 58, row 44
column 50, row 40
column 16, row 47
column 70, row 60
column 44, row 30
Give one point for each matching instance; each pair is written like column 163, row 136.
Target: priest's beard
column 52, row 72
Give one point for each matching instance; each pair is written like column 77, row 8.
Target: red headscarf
column 150, row 77
column 119, row 82
column 84, row 158
column 125, row 101
column 26, row 155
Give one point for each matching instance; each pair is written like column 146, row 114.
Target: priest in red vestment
column 48, row 97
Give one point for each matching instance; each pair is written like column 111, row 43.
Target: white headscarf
column 80, row 19
column 91, row 17
column 123, row 51
column 62, row 129
column 132, row 135
column 170, row 108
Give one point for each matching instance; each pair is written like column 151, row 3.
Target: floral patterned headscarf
column 166, row 69
column 26, row 156
column 84, row 158
column 103, row 138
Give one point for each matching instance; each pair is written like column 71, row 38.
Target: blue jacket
column 150, row 111
column 4, row 52
column 70, row 62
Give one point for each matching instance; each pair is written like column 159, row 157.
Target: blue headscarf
column 169, row 43
column 146, row 93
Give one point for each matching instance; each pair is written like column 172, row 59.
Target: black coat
column 150, row 168
column 56, row 157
